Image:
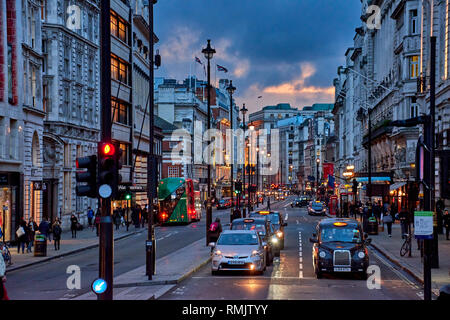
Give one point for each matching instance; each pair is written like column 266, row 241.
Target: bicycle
column 406, row 247
column 6, row 253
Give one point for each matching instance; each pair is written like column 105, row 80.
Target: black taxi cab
column 340, row 246
column 265, row 231
column 277, row 221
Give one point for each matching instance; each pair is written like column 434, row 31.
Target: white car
column 238, row 250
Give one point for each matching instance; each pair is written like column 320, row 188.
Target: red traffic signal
column 107, row 149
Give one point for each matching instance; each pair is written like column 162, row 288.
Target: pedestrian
column 144, row 216
column 117, row 219
column 215, row 230
column 446, row 223
column 345, row 209
column 32, row 228
column 388, row 219
column 73, row 225
column 22, row 236
column 403, row 216
column 57, row 231
column 90, row 216
column 3, row 293
column 97, row 221
column 236, row 213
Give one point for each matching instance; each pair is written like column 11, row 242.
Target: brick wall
column 11, row 38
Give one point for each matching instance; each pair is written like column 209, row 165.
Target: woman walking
column 73, row 225
column 22, row 236
column 57, row 231
column 388, row 219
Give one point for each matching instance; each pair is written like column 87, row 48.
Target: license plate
column 235, row 262
column 342, row 269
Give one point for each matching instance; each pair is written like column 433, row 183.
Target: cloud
column 180, row 46
column 298, row 86
column 295, row 92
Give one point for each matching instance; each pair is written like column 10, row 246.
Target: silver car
column 238, row 250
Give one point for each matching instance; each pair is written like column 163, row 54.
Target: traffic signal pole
column 106, row 246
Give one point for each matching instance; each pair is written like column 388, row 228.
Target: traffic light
column 238, row 187
column 354, row 186
column 127, row 196
column 87, row 177
column 107, row 173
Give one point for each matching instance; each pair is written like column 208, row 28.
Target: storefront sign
column 423, row 224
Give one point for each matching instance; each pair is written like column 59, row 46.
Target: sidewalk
column 85, row 239
column 390, row 248
column 170, row 270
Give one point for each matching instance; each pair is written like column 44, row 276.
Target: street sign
column 99, row 286
column 423, row 224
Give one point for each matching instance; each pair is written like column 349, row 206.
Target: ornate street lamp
column 231, row 90
column 244, row 111
column 209, row 53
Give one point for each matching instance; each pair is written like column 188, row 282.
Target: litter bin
column 372, row 226
column 40, row 245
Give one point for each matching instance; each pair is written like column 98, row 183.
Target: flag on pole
column 198, row 60
column 220, row 68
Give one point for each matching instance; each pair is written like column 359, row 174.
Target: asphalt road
column 47, row 281
column 292, row 275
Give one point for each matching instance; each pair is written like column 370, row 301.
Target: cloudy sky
column 284, row 50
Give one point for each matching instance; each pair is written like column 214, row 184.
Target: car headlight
column 274, row 239
column 279, row 234
column 361, row 254
column 322, row 254
column 255, row 253
column 218, row 253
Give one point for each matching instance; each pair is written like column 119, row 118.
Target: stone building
column 71, row 94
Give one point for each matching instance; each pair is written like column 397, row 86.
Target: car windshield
column 317, row 205
column 332, row 234
column 274, row 218
column 238, row 239
column 260, row 228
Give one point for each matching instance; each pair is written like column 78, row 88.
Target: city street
column 47, row 281
column 292, row 275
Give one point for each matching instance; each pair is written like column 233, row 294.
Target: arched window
column 35, row 150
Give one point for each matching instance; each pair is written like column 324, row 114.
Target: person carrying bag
column 387, row 218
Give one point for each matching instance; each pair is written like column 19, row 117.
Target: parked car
column 340, row 246
column 224, row 203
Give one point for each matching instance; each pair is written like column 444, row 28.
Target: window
column 10, row 74
column 67, row 156
column 43, row 10
column 413, row 67
column 173, row 144
column 90, row 109
column 119, row 27
column 413, row 26
column 91, row 70
column 33, row 85
column 173, row 171
column 126, row 153
column 79, row 66
column 119, row 69
column 414, row 108
column 120, row 111
column 65, row 103
column 66, row 67
column 90, row 23
column 76, row 111
column 45, row 97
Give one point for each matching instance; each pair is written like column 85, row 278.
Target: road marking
column 297, row 222
column 286, row 217
column 300, row 249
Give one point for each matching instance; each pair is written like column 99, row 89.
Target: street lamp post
column 244, row 111
column 209, row 53
column 317, row 176
column 257, row 176
column 151, row 166
column 231, row 90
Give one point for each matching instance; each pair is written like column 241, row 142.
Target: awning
column 373, row 179
column 396, row 185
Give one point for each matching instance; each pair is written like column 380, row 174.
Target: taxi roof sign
column 249, row 220
column 340, row 224
column 264, row 212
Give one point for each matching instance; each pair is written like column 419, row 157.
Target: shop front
column 9, row 204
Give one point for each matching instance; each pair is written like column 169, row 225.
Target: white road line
column 286, row 217
column 300, row 260
column 300, row 274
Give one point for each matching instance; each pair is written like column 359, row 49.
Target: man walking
column 446, row 220
column 90, row 216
